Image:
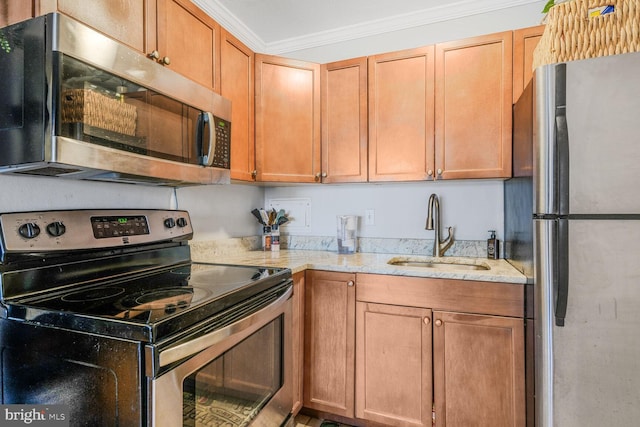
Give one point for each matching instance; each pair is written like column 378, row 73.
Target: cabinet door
column 298, row 339
column 525, row 41
column 13, row 11
column 236, row 74
column 401, row 109
column 393, row 364
column 287, row 120
column 478, row 369
column 344, row 121
column 191, row 40
column 473, row 107
column 329, row 342
column 130, row 22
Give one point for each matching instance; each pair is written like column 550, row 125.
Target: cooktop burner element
column 93, row 294
column 156, row 299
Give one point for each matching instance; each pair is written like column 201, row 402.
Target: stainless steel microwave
column 77, row 104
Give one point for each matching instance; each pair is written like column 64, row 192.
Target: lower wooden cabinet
column 478, row 369
column 401, row 351
column 393, row 365
column 478, row 359
column 329, row 342
column 298, row 339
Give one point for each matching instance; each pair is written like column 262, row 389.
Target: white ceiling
column 275, row 26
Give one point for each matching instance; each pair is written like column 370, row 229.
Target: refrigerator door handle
column 561, row 271
column 562, row 161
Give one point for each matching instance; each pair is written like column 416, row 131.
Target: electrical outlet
column 369, row 217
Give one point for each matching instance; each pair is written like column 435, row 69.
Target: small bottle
column 493, row 246
column 275, row 238
column 266, row 238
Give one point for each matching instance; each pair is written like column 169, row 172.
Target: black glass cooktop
column 152, row 306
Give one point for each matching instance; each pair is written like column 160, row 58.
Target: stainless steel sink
column 437, row 264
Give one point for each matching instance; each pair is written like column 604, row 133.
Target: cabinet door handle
column 155, row 55
column 350, row 283
column 430, row 172
column 165, row 60
column 439, row 172
column 438, row 322
column 427, row 320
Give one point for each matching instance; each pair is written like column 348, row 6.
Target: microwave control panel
column 222, row 154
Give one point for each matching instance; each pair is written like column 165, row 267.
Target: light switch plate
column 369, row 217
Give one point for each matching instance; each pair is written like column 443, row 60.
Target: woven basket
column 572, row 34
column 94, row 109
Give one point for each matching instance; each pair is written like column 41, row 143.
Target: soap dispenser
column 493, row 246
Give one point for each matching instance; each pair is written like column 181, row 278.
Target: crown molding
column 441, row 13
column 228, row 20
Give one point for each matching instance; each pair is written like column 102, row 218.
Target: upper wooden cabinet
column 237, row 84
column 13, row 11
column 287, row 120
column 344, row 121
column 525, row 41
column 179, row 34
column 401, row 112
column 190, row 39
column 473, row 107
column 130, row 22
column 442, row 112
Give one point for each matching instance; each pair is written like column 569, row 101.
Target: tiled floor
column 306, row 421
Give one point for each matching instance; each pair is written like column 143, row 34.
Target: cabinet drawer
column 500, row 299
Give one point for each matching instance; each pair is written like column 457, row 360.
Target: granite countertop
column 376, row 263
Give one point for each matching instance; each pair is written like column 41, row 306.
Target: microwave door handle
column 192, row 347
column 206, row 117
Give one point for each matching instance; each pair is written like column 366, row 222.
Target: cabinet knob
column 155, row 55
column 350, row 283
column 430, row 172
column 427, row 320
column 438, row 322
column 324, row 174
column 439, row 172
column 254, row 174
column 318, row 176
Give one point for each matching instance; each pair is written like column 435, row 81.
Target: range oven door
column 235, row 375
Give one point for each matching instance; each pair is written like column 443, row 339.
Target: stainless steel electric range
column 103, row 311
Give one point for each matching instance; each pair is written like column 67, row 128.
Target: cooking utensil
column 256, row 213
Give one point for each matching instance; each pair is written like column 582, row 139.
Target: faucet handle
column 449, row 233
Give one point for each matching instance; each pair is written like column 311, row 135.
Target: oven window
column 231, row 390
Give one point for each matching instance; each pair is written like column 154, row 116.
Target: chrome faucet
column 439, row 247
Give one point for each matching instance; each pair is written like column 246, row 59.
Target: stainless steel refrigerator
column 572, row 224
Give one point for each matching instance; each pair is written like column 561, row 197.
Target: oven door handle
column 195, row 346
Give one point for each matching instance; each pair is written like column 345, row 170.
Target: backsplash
column 460, row 248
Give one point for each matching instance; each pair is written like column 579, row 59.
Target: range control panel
column 46, row 231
